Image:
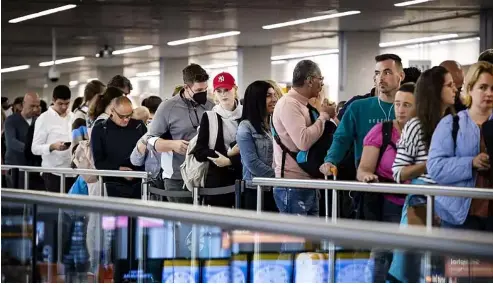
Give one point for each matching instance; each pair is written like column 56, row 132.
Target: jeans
column 303, row 202
column 176, row 185
column 391, row 213
column 474, row 223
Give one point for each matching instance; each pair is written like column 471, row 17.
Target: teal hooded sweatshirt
column 358, row 120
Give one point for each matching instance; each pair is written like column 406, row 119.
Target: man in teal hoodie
column 363, row 114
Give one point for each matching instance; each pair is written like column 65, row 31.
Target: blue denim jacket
column 453, row 167
column 256, row 152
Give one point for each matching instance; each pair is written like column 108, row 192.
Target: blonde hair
column 177, row 90
column 141, row 113
column 276, row 88
column 472, row 78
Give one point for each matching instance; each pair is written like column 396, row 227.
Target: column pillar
column 357, row 51
column 170, row 75
column 105, row 73
column 485, row 29
column 254, row 63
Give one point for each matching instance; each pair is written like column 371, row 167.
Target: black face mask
column 200, row 97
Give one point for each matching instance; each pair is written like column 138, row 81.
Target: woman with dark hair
column 77, row 103
column 255, row 141
column 462, row 159
column 435, row 94
column 100, row 107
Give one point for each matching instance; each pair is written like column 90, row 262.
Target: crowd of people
column 433, row 128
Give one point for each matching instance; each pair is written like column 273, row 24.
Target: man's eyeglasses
column 123, row 116
column 321, row 78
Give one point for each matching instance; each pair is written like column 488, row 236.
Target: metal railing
column 390, row 188
column 64, row 172
column 344, row 232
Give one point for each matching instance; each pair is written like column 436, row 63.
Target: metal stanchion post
column 98, row 234
column 195, row 196
column 145, row 186
column 62, row 183
column 26, row 180
column 60, row 222
column 430, row 204
column 259, row 198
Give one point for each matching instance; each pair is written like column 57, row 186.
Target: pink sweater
column 292, row 122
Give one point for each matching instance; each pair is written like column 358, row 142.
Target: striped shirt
column 411, row 150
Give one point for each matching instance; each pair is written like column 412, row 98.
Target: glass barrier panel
column 47, row 244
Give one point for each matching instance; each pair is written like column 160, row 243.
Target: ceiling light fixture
column 279, row 62
column 202, row 38
column 304, row 54
column 408, row 3
column 311, row 19
column 14, row 68
column 147, row 74
column 418, row 40
column 61, row 61
column 133, row 49
column 42, row 13
column 220, row 65
column 73, row 83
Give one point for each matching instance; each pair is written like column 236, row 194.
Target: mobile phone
column 67, row 144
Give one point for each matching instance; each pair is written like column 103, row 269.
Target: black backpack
column 387, row 127
column 311, row 160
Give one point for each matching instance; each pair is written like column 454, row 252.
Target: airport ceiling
column 84, row 30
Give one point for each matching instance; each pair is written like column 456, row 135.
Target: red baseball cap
column 224, row 80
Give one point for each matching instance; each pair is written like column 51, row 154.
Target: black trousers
column 52, row 182
column 15, row 179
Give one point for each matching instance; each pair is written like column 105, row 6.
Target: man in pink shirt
column 292, row 122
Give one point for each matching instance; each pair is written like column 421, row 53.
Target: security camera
column 53, row 74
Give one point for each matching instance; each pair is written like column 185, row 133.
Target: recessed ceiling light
column 308, row 20
column 42, row 13
column 304, row 54
column 73, row 83
column 133, row 49
column 408, row 3
column 14, row 68
column 61, row 61
column 146, row 74
column 220, row 65
column 418, row 40
column 279, row 62
column 202, row 38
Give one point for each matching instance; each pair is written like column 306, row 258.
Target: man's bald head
column 122, row 111
column 31, row 105
column 455, row 69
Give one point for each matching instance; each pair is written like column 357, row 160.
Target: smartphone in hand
column 67, row 144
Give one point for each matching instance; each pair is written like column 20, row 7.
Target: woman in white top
column 225, row 162
column 435, row 94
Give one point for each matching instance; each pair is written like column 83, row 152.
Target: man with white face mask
column 225, row 162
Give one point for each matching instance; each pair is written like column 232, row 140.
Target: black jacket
column 112, row 145
column 216, row 176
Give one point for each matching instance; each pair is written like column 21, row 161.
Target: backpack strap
column 455, row 129
column 213, row 128
column 284, row 149
column 387, row 127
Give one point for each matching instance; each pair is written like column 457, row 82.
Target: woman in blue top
column 464, row 162
column 255, row 141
